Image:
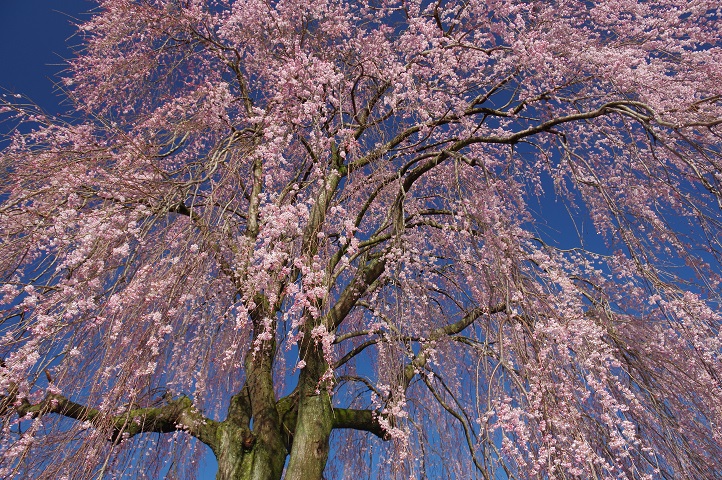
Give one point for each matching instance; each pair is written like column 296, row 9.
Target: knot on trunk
column 248, row 440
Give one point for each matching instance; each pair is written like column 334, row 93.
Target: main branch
column 175, row 414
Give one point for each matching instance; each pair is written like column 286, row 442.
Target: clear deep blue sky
column 34, row 40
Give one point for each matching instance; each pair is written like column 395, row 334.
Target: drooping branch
column 619, row 107
column 359, row 379
column 420, row 359
column 464, row 422
column 355, row 351
column 466, row 320
column 173, row 415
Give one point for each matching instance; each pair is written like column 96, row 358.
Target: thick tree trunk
column 234, row 462
column 242, row 458
column 309, row 452
column 310, row 446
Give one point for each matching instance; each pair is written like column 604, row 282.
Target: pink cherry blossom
column 473, row 239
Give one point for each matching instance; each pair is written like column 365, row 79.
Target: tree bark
column 314, row 423
column 299, row 423
column 240, row 456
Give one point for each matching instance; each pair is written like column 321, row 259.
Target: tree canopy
column 320, row 238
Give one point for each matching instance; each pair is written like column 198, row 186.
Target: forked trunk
column 303, row 431
column 264, row 460
column 240, row 457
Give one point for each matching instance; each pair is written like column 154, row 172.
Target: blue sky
column 35, row 35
